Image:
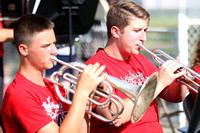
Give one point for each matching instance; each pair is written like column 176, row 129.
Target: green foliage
column 164, row 18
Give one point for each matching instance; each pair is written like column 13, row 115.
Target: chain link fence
column 10, row 62
column 193, row 37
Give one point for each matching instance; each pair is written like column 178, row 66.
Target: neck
column 32, row 74
column 113, row 50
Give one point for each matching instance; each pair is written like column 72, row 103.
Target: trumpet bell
column 144, row 98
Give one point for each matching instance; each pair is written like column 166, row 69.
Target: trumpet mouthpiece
column 54, row 58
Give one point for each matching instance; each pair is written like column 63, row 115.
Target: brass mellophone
column 141, row 96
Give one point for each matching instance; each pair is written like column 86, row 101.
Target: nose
column 143, row 36
column 54, row 50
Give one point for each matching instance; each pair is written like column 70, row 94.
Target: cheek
column 40, row 56
column 134, row 37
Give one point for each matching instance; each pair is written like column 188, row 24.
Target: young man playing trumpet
column 30, row 103
column 127, row 24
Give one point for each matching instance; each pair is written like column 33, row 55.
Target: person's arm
column 124, row 117
column 174, row 92
column 6, row 34
column 165, row 77
column 87, row 82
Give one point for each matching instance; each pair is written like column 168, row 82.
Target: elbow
column 177, row 99
column 181, row 99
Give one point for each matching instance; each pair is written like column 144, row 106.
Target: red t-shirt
column 194, row 94
column 134, row 70
column 27, row 107
column 1, row 44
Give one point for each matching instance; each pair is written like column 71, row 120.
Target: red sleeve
column 29, row 113
column 197, row 69
column 194, row 94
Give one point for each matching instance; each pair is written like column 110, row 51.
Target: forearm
column 126, row 114
column 75, row 117
column 175, row 92
column 6, row 34
column 88, row 81
column 123, row 117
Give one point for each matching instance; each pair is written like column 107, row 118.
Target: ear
column 115, row 31
column 23, row 49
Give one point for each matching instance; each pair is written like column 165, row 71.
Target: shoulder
column 98, row 57
column 22, row 90
column 18, row 90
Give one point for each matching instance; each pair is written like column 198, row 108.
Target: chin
column 135, row 52
column 50, row 66
column 138, row 51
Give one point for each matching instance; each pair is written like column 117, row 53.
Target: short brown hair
column 28, row 25
column 120, row 13
column 196, row 61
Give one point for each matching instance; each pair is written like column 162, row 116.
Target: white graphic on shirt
column 137, row 79
column 51, row 108
column 55, row 111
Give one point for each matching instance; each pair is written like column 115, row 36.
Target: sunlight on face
column 133, row 35
column 42, row 49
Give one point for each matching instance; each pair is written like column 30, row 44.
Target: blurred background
column 80, row 29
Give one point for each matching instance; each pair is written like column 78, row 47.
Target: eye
column 46, row 45
column 137, row 30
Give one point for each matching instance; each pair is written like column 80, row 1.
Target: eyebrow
column 48, row 42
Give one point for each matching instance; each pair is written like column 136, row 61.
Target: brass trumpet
column 187, row 80
column 142, row 99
